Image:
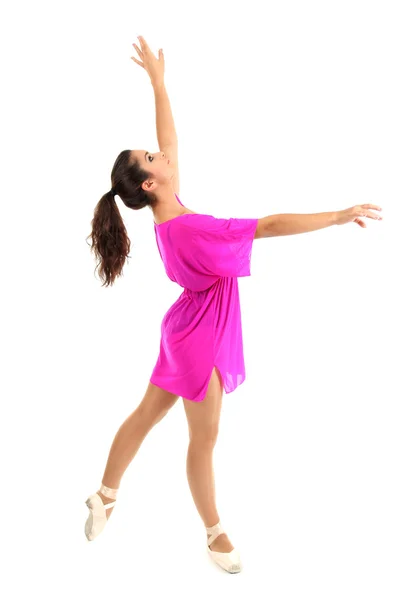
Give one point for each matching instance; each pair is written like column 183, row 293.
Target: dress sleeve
column 222, row 247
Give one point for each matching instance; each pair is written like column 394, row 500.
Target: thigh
column 203, row 417
column 157, row 402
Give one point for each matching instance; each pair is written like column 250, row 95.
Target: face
column 156, row 163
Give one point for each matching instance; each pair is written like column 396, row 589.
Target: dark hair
column 110, row 241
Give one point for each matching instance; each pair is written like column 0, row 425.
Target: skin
column 203, row 424
column 161, row 183
column 202, row 417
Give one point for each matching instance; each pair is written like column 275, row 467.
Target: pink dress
column 202, row 329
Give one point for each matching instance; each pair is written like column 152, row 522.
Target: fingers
column 136, row 61
column 374, row 206
column 138, row 50
column 372, row 215
column 359, row 222
column 143, row 43
column 361, row 211
column 140, row 54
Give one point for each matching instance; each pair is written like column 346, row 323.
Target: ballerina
column 201, row 346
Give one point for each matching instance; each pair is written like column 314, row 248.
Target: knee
column 152, row 417
column 146, row 417
column 159, row 417
column 204, row 437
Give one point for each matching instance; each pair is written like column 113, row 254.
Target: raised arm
column 166, row 133
column 290, row 224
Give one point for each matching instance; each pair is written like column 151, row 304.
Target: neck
column 167, row 207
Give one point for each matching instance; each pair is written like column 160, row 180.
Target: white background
column 279, row 107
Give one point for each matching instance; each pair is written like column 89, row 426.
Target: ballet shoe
column 229, row 561
column 97, row 518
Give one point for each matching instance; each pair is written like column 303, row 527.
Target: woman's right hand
column 355, row 213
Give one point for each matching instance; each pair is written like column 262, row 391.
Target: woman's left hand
column 153, row 66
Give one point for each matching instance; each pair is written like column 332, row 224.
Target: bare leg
column 203, row 422
column 129, row 437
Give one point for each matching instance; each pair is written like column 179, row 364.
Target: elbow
column 264, row 228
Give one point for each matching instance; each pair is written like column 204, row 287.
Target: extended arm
column 289, row 224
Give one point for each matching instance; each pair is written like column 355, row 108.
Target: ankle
column 107, row 492
column 214, row 523
column 105, row 499
column 213, row 528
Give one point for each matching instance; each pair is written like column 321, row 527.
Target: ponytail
column 110, row 242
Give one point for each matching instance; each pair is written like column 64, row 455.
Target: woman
column 201, row 350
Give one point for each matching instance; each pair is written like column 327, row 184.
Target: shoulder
column 205, row 226
column 192, row 220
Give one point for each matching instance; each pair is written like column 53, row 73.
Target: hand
column 153, row 66
column 354, row 214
